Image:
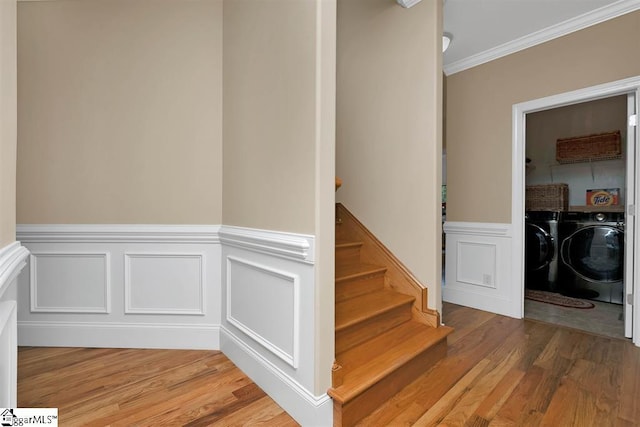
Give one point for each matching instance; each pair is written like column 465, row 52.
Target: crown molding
column 580, row 22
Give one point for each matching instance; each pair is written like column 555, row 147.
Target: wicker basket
column 602, row 146
column 547, row 197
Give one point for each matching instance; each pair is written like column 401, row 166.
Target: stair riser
column 347, row 256
column 362, row 285
column 341, row 232
column 350, row 413
column 372, row 327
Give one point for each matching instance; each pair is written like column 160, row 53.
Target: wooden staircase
column 385, row 335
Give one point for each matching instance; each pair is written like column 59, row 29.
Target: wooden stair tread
column 354, row 310
column 353, row 271
column 400, row 345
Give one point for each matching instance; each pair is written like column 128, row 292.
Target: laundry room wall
column 544, row 128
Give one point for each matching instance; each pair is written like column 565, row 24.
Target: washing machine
column 541, row 249
column 592, row 256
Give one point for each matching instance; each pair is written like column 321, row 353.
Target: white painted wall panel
column 263, row 303
column 476, row 263
column 269, row 318
column 160, row 283
column 8, row 354
column 12, row 261
column 478, row 267
column 138, row 286
column 70, row 282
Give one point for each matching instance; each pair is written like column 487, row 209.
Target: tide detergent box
column 603, row 197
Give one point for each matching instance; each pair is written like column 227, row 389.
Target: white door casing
column 519, row 112
column 630, row 216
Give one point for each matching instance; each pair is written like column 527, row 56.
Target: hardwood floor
column 132, row 387
column 498, row 372
column 507, row 372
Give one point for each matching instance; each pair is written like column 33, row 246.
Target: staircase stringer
column 398, row 276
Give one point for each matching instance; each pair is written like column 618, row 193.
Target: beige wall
column 480, row 100
column 389, row 127
column 120, row 111
column 269, row 114
column 7, row 122
column 279, row 135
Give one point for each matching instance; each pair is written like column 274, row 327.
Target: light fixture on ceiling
column 407, row 3
column 446, row 41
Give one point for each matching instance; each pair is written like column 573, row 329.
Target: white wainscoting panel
column 160, row 283
column 268, row 321
column 138, row 286
column 248, row 286
column 478, row 267
column 476, row 263
column 70, row 282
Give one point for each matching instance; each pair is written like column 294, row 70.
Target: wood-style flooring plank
column 134, row 387
column 498, row 372
column 504, row 372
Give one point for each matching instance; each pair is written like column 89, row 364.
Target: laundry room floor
column 604, row 319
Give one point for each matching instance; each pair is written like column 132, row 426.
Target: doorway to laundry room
column 579, row 180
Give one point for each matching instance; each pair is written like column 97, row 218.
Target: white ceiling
column 484, row 30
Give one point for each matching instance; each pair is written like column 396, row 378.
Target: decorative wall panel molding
column 250, row 287
column 476, row 263
column 298, row 247
column 269, row 317
column 478, row 229
column 179, row 287
column 117, row 233
column 70, row 282
column 163, row 283
column 12, row 261
column 478, row 267
column 151, row 286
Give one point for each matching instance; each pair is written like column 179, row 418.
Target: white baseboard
column 119, row 335
column 305, row 408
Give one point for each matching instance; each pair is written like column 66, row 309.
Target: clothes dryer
column 541, row 249
column 592, row 255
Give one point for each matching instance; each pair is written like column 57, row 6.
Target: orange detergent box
column 603, row 197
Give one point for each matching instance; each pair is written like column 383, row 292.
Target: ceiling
column 484, row 30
